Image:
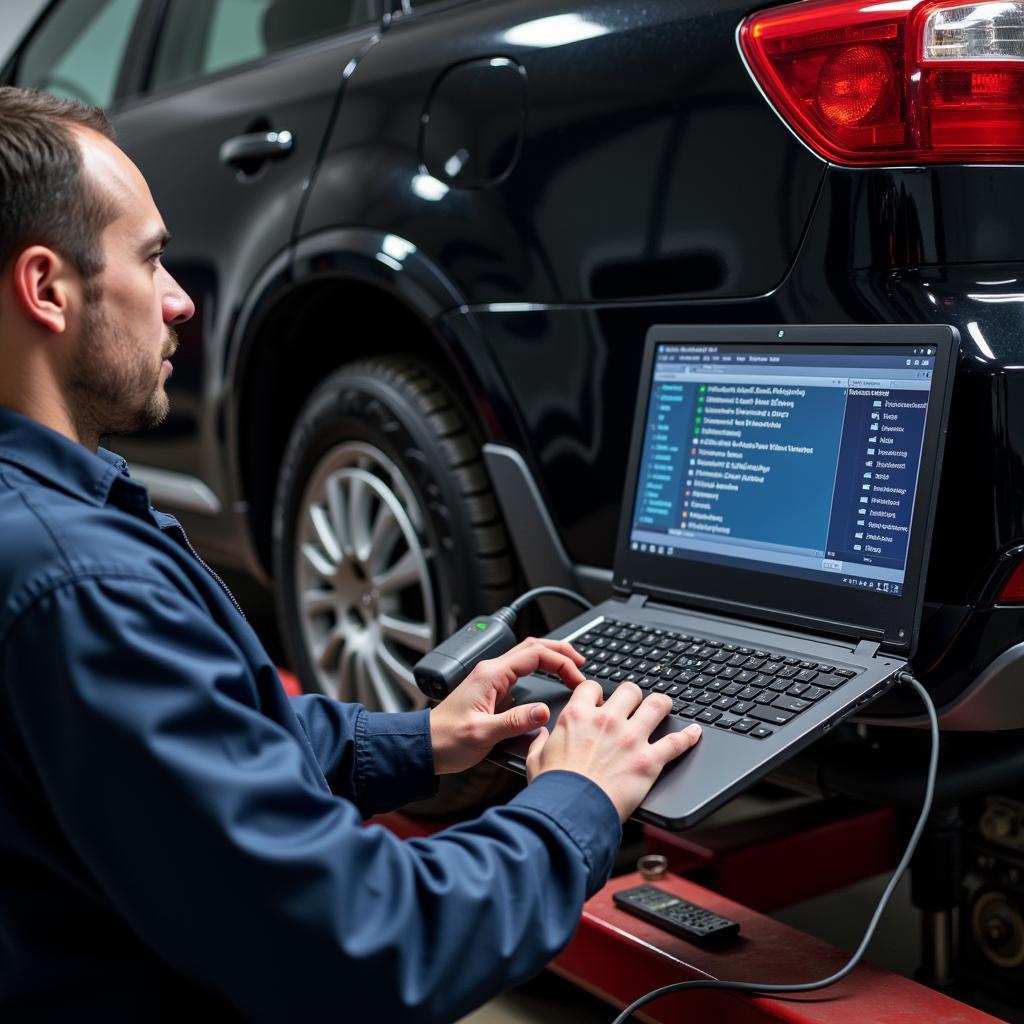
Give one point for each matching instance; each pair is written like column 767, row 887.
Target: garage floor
column 547, row 998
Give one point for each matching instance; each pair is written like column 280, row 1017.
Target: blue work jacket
column 179, row 836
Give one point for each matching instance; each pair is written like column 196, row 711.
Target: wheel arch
column 294, row 337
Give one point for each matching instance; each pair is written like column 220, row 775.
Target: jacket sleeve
column 379, row 761
column 209, row 829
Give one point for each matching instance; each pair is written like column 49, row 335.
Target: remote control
column 660, row 907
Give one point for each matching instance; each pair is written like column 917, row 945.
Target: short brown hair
column 45, row 198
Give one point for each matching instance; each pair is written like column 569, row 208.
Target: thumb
column 533, row 754
column 518, row 720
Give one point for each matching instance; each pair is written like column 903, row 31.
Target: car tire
column 386, row 536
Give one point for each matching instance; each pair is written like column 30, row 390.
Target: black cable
column 811, row 986
column 570, row 595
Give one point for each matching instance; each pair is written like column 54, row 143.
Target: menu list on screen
column 801, row 461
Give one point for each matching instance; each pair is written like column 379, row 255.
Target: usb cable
column 759, row 988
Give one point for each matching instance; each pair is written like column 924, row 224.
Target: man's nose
column 178, row 307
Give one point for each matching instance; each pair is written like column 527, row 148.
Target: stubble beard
column 111, row 391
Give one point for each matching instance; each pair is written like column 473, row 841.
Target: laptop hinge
column 866, row 649
column 636, row 601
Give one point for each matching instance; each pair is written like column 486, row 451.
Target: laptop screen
column 805, row 462
column 801, row 461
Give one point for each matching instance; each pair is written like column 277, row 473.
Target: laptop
column 773, row 542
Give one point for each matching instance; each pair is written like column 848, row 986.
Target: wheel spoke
column 417, row 635
column 339, row 515
column 385, row 526
column 347, row 672
column 360, row 505
column 326, row 651
column 316, row 602
column 402, row 675
column 321, row 566
column 324, row 533
column 364, row 690
column 404, row 572
column 383, row 688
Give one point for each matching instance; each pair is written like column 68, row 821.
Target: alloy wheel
column 363, row 580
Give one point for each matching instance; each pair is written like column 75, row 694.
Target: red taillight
column 1013, row 588
column 853, row 84
column 895, row 81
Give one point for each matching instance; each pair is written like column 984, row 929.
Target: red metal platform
column 290, row 682
column 618, row 957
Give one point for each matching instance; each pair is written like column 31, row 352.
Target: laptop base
column 726, row 760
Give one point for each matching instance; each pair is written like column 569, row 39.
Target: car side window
column 78, row 51
column 200, row 37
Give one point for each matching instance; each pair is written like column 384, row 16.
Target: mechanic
column 177, row 835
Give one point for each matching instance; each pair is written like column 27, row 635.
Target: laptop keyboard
column 746, row 691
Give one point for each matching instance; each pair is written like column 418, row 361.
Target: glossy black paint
column 577, row 414
column 473, row 124
column 227, row 223
column 650, row 163
column 634, row 175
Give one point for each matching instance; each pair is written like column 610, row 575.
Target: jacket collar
column 59, row 461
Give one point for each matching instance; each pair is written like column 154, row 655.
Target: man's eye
column 155, row 257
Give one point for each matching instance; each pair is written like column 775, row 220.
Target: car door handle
column 255, row 147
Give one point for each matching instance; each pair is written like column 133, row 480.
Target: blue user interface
column 801, row 460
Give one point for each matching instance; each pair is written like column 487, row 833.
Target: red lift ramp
column 618, row 957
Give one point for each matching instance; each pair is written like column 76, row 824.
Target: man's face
column 117, row 368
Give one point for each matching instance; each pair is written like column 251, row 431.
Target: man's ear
column 44, row 286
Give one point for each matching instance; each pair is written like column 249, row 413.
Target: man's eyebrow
column 158, row 240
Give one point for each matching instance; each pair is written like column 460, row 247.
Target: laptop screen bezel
column 774, row 597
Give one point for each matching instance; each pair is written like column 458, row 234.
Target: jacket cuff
column 394, row 759
column 583, row 811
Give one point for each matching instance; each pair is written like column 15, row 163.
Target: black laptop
column 772, row 548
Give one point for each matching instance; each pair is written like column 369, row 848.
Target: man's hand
column 464, row 726
column 609, row 742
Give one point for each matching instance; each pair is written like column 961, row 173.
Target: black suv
column 426, row 240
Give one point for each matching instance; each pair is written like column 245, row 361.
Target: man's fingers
column 564, row 647
column 533, row 754
column 652, row 711
column 558, row 646
column 589, row 693
column 533, row 655
column 676, row 743
column 538, row 743
column 562, row 665
column 625, row 699
column 518, row 720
